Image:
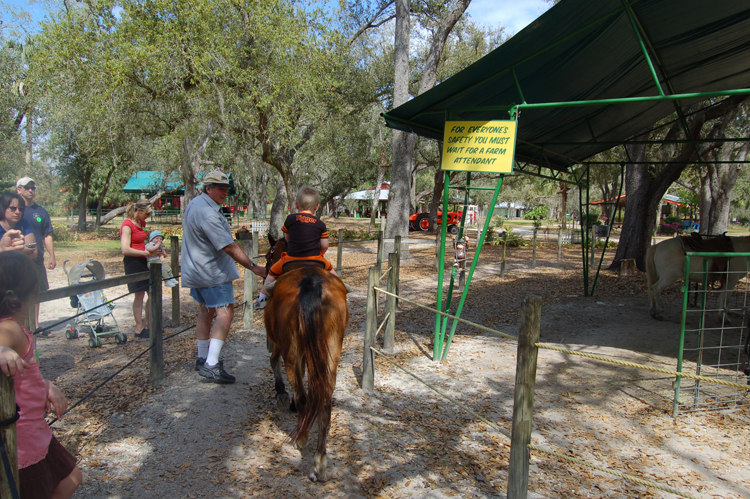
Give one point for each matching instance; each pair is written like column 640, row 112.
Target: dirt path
column 191, row 439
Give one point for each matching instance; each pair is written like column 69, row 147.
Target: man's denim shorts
column 214, row 297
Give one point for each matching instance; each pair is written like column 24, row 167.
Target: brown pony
column 305, row 320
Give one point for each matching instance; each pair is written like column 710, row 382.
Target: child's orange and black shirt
column 305, row 232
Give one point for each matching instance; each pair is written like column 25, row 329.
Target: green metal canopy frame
column 586, row 76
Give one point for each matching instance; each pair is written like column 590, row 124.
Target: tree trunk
column 437, row 196
column 564, row 188
column 376, row 199
column 82, row 206
column 717, row 188
column 278, row 209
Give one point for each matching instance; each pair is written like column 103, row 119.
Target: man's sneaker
column 199, row 362
column 261, row 302
column 216, row 374
column 171, row 283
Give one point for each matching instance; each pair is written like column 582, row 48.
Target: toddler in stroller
column 92, row 305
column 156, row 241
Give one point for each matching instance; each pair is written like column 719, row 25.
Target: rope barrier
column 447, row 397
column 548, row 346
column 497, row 428
column 618, row 474
column 85, row 397
column 383, row 323
column 387, row 271
column 473, row 324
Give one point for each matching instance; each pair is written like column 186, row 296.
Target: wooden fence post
column 523, row 399
column 175, row 264
column 156, row 373
column 559, row 245
column 502, row 262
column 8, row 437
column 371, row 326
column 380, row 251
column 397, row 250
column 390, row 304
column 339, row 251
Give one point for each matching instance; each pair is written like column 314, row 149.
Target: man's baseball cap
column 23, row 182
column 216, row 177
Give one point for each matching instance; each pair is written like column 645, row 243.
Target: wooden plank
column 79, row 289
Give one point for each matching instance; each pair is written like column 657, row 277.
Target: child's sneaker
column 171, row 282
column 261, row 302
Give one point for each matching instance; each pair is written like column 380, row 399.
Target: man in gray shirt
column 208, row 268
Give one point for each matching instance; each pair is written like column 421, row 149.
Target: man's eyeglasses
column 13, row 208
column 32, row 188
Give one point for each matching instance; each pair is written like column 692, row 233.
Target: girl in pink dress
column 45, row 468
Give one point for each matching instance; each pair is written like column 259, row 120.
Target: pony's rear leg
column 657, row 307
column 296, row 374
column 320, row 462
column 282, row 397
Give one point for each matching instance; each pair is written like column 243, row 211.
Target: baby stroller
column 92, row 305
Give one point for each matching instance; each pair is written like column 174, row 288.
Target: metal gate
column 714, row 332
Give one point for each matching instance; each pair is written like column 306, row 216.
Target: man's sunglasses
column 13, row 208
column 32, row 188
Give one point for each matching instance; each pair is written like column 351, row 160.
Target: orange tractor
column 421, row 221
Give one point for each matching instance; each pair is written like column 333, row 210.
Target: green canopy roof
column 151, row 182
column 589, row 50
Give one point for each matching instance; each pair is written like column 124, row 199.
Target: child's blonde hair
column 307, row 198
column 18, row 281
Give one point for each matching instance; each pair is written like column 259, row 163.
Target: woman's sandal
column 145, row 333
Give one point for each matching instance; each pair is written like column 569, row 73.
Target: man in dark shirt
column 41, row 224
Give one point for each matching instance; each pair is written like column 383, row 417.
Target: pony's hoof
column 292, row 407
column 282, row 400
column 318, row 477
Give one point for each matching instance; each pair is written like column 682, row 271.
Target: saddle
column 301, row 264
column 711, row 244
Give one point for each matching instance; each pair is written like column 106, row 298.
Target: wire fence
column 373, row 289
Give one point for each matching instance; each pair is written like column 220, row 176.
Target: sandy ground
column 186, row 438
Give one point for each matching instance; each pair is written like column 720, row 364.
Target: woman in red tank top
column 133, row 238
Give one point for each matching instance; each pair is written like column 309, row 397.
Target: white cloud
column 513, row 14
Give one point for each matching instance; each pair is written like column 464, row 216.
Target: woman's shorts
column 278, row 268
column 214, row 297
column 135, row 265
column 42, row 478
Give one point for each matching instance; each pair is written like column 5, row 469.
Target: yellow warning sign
column 479, row 146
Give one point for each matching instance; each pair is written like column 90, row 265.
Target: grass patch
column 92, row 246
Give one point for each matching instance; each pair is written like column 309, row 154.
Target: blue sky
column 513, row 14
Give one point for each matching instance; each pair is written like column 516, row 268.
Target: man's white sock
column 202, row 348
column 214, row 350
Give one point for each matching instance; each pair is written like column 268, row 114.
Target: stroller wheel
column 98, row 342
column 71, row 334
column 124, row 338
column 92, row 343
column 121, row 338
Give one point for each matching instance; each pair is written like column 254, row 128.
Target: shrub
column 359, row 235
column 589, row 220
column 61, row 232
column 671, row 225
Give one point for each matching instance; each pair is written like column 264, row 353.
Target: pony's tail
column 312, row 333
column 651, row 276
